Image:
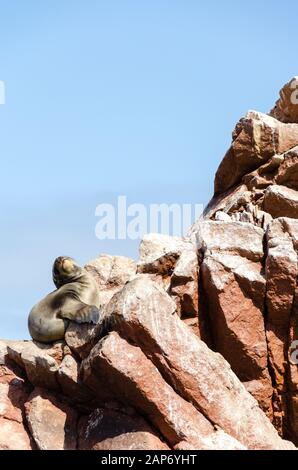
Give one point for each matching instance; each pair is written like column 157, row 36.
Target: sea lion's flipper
column 79, row 312
column 88, row 314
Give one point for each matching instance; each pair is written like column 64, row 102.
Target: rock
column 261, row 389
column 194, row 326
column 51, row 422
column 286, row 108
column 12, row 398
column 71, row 385
column 184, row 286
column 3, row 351
column 226, row 202
column 292, row 383
column 186, row 296
column 293, row 413
column 175, row 260
column 150, row 290
column 263, row 219
column 281, row 273
column 234, row 288
column 112, row 430
column 154, row 246
column 111, row 273
column 281, row 270
column 37, row 360
column 143, row 313
column 11, row 373
column 68, row 375
column 287, row 174
column 256, row 138
column 14, row 392
column 280, row 201
column 159, row 255
column 135, row 380
column 80, row 338
column 236, row 238
column 163, row 266
column 221, row 216
column 13, row 436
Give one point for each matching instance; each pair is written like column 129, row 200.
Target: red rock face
column 197, row 344
column 234, row 287
column 143, row 313
column 141, row 385
column 13, row 436
column 106, row 429
column 111, row 273
column 14, row 392
column 281, row 273
column 286, row 109
column 174, row 263
column 262, row 193
column 52, row 423
column 256, row 139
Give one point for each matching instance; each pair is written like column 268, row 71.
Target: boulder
column 143, row 313
column 12, row 399
column 14, row 392
column 184, row 286
column 52, row 423
column 154, row 246
column 175, row 261
column 286, row 108
column 287, row 174
column 39, row 361
column 111, row 430
column 225, row 203
column 71, row 385
column 135, row 380
column 234, row 287
column 79, row 338
column 256, row 138
column 111, row 273
column 281, row 299
column 237, row 238
column 280, row 201
column 13, row 436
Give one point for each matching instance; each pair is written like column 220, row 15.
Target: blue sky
column 108, row 98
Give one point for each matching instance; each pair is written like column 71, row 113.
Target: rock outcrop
column 285, row 109
column 194, row 346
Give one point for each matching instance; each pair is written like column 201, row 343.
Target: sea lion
column 76, row 298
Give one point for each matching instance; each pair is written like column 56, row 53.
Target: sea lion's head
column 65, row 270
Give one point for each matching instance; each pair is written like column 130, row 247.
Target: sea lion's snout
column 67, row 265
column 64, row 263
column 58, row 263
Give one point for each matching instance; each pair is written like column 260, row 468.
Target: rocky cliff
column 193, row 350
